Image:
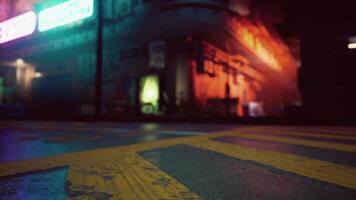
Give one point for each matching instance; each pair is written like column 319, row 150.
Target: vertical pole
column 99, row 59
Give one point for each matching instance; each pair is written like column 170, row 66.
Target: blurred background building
column 327, row 37
column 160, row 57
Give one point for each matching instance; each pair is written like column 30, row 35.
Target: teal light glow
column 65, row 13
column 17, row 27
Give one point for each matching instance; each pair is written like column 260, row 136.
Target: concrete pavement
column 57, row 160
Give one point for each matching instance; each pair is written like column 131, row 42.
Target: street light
column 99, row 59
column 19, row 62
column 352, row 45
column 37, row 75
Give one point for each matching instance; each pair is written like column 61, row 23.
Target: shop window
column 149, row 94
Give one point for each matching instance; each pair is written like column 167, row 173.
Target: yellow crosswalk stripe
column 138, row 179
column 98, row 155
column 304, row 142
column 310, row 133
column 112, row 172
column 323, row 130
column 120, row 173
column 126, row 177
column 317, row 169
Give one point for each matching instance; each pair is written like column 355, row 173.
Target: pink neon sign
column 18, row 27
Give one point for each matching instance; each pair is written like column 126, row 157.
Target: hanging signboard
column 17, row 27
column 157, row 54
column 65, row 13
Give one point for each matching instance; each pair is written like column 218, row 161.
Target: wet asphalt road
column 51, row 160
column 26, row 140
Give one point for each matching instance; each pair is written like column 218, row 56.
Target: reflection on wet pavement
column 27, row 140
column 18, row 145
column 49, row 184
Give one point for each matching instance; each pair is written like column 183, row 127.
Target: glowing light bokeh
column 38, row 75
column 150, row 90
column 18, row 27
column 65, row 13
column 351, row 46
column 149, row 95
column 19, row 62
column 253, row 42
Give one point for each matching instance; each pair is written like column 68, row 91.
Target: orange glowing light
column 266, row 45
column 254, row 43
column 207, row 87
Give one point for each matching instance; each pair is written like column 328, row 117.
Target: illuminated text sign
column 65, row 13
column 17, row 27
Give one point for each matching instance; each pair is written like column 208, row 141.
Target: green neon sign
column 65, row 13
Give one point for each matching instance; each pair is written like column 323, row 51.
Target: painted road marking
column 87, row 159
column 22, row 166
column 324, row 145
column 125, row 177
column 317, row 169
column 339, row 157
column 306, row 137
column 316, row 130
column 325, row 171
column 225, row 177
column 307, row 134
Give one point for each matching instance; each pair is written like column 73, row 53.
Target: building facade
column 176, row 57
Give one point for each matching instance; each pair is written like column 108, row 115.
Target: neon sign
column 65, row 13
column 17, row 27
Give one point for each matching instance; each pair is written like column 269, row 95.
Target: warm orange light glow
column 265, row 45
column 213, row 83
column 263, row 71
column 255, row 44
